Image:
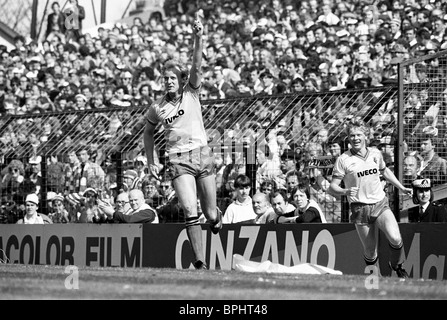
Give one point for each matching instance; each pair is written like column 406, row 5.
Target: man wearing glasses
column 138, row 212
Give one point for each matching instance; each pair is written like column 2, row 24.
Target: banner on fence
column 335, row 246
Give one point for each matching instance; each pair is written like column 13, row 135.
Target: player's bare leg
column 185, row 187
column 207, row 194
column 389, row 226
column 368, row 237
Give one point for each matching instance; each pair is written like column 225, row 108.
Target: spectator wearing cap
column 130, row 178
column 81, row 102
column 427, row 210
column 33, row 178
column 59, row 213
column 32, row 216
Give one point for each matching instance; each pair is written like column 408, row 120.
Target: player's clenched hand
column 408, row 191
column 198, row 26
column 352, row 192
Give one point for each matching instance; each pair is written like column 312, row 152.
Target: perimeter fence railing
column 422, row 123
column 238, row 129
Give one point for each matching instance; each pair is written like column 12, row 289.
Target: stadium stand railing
column 236, row 127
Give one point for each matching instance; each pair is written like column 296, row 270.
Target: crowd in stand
column 264, row 47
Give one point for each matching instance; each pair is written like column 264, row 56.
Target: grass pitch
column 19, row 282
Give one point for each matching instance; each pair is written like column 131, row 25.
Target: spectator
column 74, row 16
column 411, row 164
column 262, row 208
column 89, row 174
column 307, row 210
column 55, row 21
column 268, row 187
column 169, row 210
column 268, row 165
column 130, row 177
column 121, row 205
column 32, row 216
column 281, row 206
column 140, row 211
column 241, row 209
column 33, row 178
column 59, row 214
column 434, row 167
column 427, row 210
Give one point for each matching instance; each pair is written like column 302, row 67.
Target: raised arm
column 196, row 68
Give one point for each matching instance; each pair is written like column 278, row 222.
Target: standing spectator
column 59, row 214
column 74, row 16
column 32, row 216
column 12, row 181
column 71, row 169
column 33, row 177
column 427, row 210
column 170, row 210
column 360, row 169
column 89, row 174
column 151, row 193
column 191, row 162
column 55, row 21
column 241, row 209
column 433, row 166
column 225, row 88
column 411, row 164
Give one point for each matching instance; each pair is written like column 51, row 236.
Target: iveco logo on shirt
column 367, row 172
column 171, row 119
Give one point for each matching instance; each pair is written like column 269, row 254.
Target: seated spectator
column 121, row 205
column 139, row 212
column 262, row 208
column 32, row 216
column 307, row 210
column 427, row 210
column 240, row 209
column 281, row 206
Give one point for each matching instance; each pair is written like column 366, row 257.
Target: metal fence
column 422, row 122
column 238, row 130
